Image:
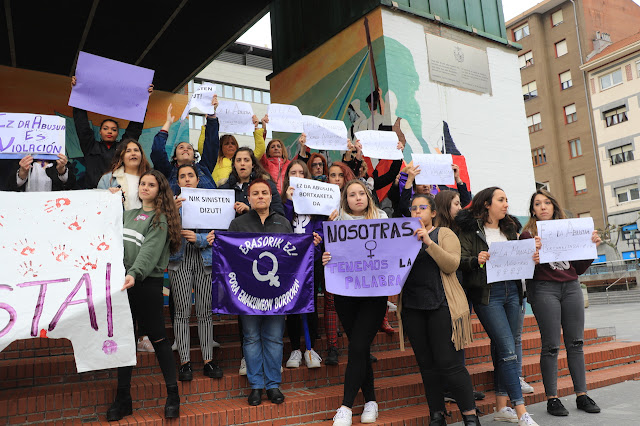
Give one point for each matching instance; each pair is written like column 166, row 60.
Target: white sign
column 201, row 99
column 566, row 239
column 379, row 144
column 314, row 197
column 285, row 118
column 207, row 208
column 42, row 136
column 325, row 134
column 435, row 169
column 511, row 260
column 235, row 117
column 63, row 273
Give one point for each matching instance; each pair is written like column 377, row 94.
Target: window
column 580, row 184
column 565, row 80
column 266, row 97
column 621, row 154
column 530, row 90
column 521, row 32
column 257, row 96
column 196, row 121
column 638, row 68
column 611, row 79
column 526, row 60
column 627, row 193
column 556, row 18
column 561, row 48
column 534, row 122
column 539, row 156
column 615, row 116
column 228, row 92
column 570, row 114
column 237, row 93
column 575, row 149
column 630, row 232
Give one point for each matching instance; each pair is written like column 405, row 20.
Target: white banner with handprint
column 62, row 274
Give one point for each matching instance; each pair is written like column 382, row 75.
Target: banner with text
column 566, row 239
column 325, row 134
column 235, row 117
column 207, row 208
column 370, row 257
column 511, row 260
column 435, row 169
column 62, row 274
column 262, row 274
column 285, row 118
column 201, row 99
column 314, row 197
column 379, row 144
column 42, row 136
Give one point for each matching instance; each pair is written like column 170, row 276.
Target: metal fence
column 615, row 266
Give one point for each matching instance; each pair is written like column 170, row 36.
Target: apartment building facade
column 557, row 37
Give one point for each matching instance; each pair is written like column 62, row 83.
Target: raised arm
column 159, row 154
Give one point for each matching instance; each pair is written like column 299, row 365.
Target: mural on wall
column 376, row 76
column 42, row 93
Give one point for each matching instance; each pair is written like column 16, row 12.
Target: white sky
column 260, row 33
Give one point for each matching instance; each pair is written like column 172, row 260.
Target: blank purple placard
column 111, row 88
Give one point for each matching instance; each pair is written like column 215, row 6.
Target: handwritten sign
column 285, row 118
column 42, row 136
column 62, row 274
column 566, row 239
column 201, row 99
column 207, row 208
column 235, row 117
column 314, row 197
column 379, row 144
column 511, row 260
column 435, row 169
column 111, row 88
column 325, row 134
column 370, row 257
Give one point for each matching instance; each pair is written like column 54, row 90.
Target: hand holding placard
column 379, row 144
column 41, row 136
column 207, row 208
column 435, row 169
column 325, row 134
column 566, row 239
column 511, row 260
column 314, row 197
column 201, row 99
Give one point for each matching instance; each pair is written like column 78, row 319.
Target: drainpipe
column 593, row 137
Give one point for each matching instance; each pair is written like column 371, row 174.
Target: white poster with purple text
column 62, row 257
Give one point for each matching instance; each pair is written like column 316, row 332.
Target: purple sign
column 370, row 257
column 111, row 88
column 262, row 274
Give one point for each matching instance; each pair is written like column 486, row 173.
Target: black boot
column 122, row 405
column 437, row 419
column 471, row 419
column 172, row 406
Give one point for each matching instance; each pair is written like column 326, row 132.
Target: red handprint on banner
column 74, row 224
column 28, row 268
column 24, row 247
column 1, row 219
column 60, row 252
column 57, row 204
column 86, row 264
column 101, row 243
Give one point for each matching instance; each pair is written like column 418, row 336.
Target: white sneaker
column 526, row 420
column 174, row 347
column 312, row 359
column 215, row 344
column 294, row 359
column 243, row 367
column 370, row 413
column 342, row 417
column 526, row 387
column 144, row 345
column 507, row 414
column 392, row 307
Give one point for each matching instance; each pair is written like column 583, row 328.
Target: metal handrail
column 626, row 280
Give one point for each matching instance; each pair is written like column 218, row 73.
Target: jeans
column 262, row 347
column 361, row 318
column 501, row 320
column 440, row 364
column 555, row 305
column 518, row 338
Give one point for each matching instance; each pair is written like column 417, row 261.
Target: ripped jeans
column 501, row 320
column 555, row 305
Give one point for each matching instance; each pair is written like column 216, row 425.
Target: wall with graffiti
column 336, row 81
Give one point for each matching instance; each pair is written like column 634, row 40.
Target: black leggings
column 294, row 322
column 440, row 364
column 361, row 318
column 146, row 302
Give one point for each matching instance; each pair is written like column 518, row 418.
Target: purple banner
column 111, row 88
column 262, row 274
column 370, row 257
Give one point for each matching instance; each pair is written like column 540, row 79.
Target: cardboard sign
column 314, row 197
column 111, row 88
column 207, row 208
column 42, row 136
column 235, row 117
column 380, row 144
column 201, row 99
column 325, row 134
column 435, row 169
column 62, row 274
column 285, row 118
column 566, row 239
column 511, row 260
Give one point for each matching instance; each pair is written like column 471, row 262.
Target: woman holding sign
column 436, row 316
column 360, row 316
column 498, row 305
column 557, row 302
column 190, row 270
column 151, row 233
